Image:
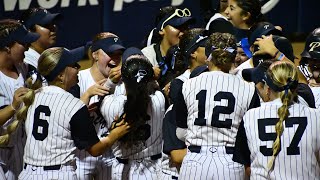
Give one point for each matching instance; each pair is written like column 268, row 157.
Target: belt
column 174, row 177
column 197, row 149
column 126, row 161
column 46, row 168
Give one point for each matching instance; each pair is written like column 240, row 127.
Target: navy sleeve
column 305, row 92
column 180, row 109
column 82, row 130
column 241, row 152
column 75, row 91
column 175, row 87
column 170, row 139
column 255, row 101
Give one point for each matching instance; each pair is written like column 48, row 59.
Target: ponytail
column 21, row 115
column 282, row 78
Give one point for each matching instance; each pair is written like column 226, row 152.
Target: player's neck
column 7, row 66
column 164, row 46
column 96, row 74
column 37, row 48
column 212, row 67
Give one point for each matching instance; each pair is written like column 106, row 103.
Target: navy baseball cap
column 129, row 52
column 256, row 74
column 108, row 45
column 41, row 17
column 262, row 28
column 282, row 44
column 67, row 58
column 20, row 35
column 221, row 25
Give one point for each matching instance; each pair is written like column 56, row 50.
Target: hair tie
column 140, row 74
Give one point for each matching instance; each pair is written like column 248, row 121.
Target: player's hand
column 115, row 74
column 266, row 46
column 97, row 89
column 119, row 129
column 166, row 89
column 157, row 72
column 17, row 97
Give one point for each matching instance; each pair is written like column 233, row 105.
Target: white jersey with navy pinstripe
column 316, row 94
column 49, row 140
column 112, row 106
column 300, row 142
column 216, row 102
column 85, row 82
column 12, row 157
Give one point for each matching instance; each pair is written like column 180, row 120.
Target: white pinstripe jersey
column 85, row 82
column 8, row 86
column 112, row 106
column 49, row 140
column 316, row 94
column 216, row 102
column 300, row 142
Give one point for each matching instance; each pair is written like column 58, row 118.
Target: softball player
column 57, row 122
column 191, row 54
column 282, row 136
column 40, row 21
column 106, row 52
column 14, row 40
column 138, row 153
column 171, row 24
column 311, row 56
column 211, row 107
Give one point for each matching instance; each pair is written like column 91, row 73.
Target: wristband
column 275, row 54
column 281, row 57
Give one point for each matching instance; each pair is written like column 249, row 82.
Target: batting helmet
column 312, row 47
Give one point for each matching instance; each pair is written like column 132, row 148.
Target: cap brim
column 28, row 38
column 114, row 48
column 305, row 54
column 75, row 55
column 179, row 21
column 49, row 18
column 129, row 52
column 253, row 74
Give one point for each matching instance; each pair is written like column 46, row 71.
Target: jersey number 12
column 201, row 121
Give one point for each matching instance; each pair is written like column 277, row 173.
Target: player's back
column 112, row 106
column 216, row 102
column 316, row 93
column 300, row 143
column 49, row 140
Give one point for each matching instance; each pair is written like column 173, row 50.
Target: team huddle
column 222, row 102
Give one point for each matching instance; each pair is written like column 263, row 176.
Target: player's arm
column 96, row 89
column 171, row 144
column 6, row 112
column 85, row 137
column 181, row 113
column 267, row 46
column 241, row 150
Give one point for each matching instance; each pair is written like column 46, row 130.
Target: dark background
column 134, row 20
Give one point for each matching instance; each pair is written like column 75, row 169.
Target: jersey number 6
column 201, row 121
column 40, row 133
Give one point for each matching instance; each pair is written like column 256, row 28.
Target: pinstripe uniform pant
column 210, row 163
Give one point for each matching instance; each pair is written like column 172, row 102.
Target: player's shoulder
column 84, row 73
column 158, row 95
column 149, row 52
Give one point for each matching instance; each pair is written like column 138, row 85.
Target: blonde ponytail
column 284, row 76
column 47, row 62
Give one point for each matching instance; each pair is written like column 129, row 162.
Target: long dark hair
column 254, row 8
column 137, row 75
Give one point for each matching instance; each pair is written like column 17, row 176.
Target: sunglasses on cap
column 179, row 13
